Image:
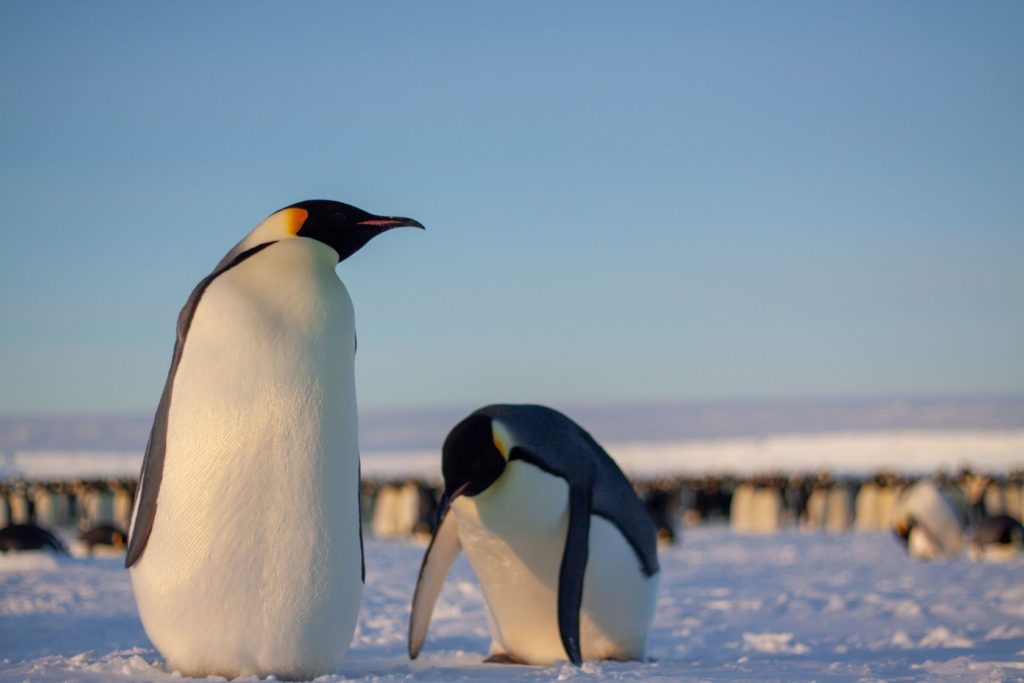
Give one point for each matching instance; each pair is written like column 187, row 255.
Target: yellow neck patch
column 502, row 438
column 292, row 219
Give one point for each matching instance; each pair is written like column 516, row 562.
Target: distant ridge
column 388, row 430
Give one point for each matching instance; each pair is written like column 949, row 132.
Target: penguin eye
column 339, row 217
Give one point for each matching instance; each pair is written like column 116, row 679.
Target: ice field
column 789, row 606
column 794, row 605
column 854, row 453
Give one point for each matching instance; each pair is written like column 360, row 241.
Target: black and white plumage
column 21, row 537
column 565, row 551
column 245, row 546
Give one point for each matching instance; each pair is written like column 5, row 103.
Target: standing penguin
column 245, row 547
column 564, row 550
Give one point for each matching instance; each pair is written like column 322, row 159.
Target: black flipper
column 443, row 549
column 144, row 508
column 574, row 565
column 362, row 555
column 578, row 457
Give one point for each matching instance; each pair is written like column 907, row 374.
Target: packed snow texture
column 792, row 606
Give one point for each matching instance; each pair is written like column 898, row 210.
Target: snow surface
column 791, row 606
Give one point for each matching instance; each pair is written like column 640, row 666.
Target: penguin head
column 342, row 227
column 473, row 457
column 902, row 530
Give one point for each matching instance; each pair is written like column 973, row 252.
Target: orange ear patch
column 293, row 219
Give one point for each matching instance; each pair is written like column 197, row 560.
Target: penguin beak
column 902, row 532
column 388, row 222
column 446, row 501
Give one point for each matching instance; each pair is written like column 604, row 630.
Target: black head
column 344, row 227
column 903, row 529
column 470, row 459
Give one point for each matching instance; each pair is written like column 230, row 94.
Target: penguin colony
column 255, row 438
column 404, row 508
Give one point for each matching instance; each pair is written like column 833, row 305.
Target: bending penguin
column 929, row 523
column 564, row 550
column 245, row 547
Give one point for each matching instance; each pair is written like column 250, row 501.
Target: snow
column 790, row 606
column 852, row 453
column 68, row 465
column 849, row 453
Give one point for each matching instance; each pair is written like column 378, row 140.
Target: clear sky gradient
column 624, row 201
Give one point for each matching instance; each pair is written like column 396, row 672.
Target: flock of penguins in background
column 987, row 509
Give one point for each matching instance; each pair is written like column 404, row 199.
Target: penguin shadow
column 459, row 664
column 449, row 660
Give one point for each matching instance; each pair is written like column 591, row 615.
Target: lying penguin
column 564, row 550
column 104, row 539
column 19, row 537
column 998, row 538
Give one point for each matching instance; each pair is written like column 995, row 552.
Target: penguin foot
column 502, row 658
column 647, row 660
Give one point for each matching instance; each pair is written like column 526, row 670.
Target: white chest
column 253, row 561
column 514, row 536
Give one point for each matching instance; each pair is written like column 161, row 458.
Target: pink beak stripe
column 383, row 222
column 458, row 492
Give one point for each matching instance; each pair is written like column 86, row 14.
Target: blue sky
column 623, row 201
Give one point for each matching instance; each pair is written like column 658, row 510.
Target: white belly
column 514, row 537
column 253, row 564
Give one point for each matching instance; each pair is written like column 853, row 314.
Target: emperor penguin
column 104, row 539
column 245, row 546
column 929, row 523
column 997, row 538
column 564, row 550
column 19, row 537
